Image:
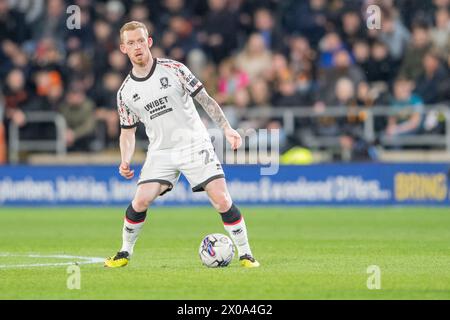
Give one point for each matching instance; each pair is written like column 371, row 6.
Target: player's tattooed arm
column 215, row 112
column 212, row 109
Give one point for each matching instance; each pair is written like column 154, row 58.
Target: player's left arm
column 195, row 89
column 214, row 111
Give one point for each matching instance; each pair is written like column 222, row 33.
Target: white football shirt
column 162, row 101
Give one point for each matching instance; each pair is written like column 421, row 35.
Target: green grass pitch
column 305, row 253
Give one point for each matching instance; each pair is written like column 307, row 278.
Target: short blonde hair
column 130, row 26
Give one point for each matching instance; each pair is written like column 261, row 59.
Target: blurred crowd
column 248, row 53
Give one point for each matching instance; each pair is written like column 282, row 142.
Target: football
column 216, row 250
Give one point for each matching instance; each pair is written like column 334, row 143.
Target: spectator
column 13, row 57
column 171, row 8
column 440, row 4
column 52, row 23
column 343, row 96
column 265, row 25
column 352, row 29
column 260, row 93
column 11, row 24
column 140, row 12
column 219, row 36
column 280, row 70
column 440, row 34
column 350, row 129
column 237, row 111
column 106, row 104
column 364, row 96
column 290, row 88
column 19, row 101
column 411, row 67
column 428, row 83
column 408, row 109
column 79, row 112
column 115, row 14
column 370, row 95
column 260, row 96
column 49, row 88
column 210, row 77
column 414, row 10
column 394, row 35
column 183, row 39
column 329, row 46
column 255, row 58
column 47, row 56
column 242, row 100
column 361, row 53
column 117, row 62
column 53, row 99
column 158, row 52
column 261, row 99
column 345, row 93
column 288, row 95
column 16, row 97
column 79, row 67
column 32, row 10
column 196, row 60
column 343, row 67
column 302, row 58
column 104, row 44
column 380, row 66
column 231, row 80
column 308, row 18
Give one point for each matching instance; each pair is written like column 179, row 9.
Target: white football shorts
column 198, row 163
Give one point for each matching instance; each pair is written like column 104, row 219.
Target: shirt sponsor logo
column 160, row 113
column 158, row 107
column 156, row 103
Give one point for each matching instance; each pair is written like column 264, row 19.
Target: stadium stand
column 311, row 69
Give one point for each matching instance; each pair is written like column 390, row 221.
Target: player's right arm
column 128, row 123
column 127, row 145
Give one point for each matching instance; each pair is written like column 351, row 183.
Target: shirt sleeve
column 128, row 119
column 189, row 81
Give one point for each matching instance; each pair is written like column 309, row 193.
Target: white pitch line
column 87, row 260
